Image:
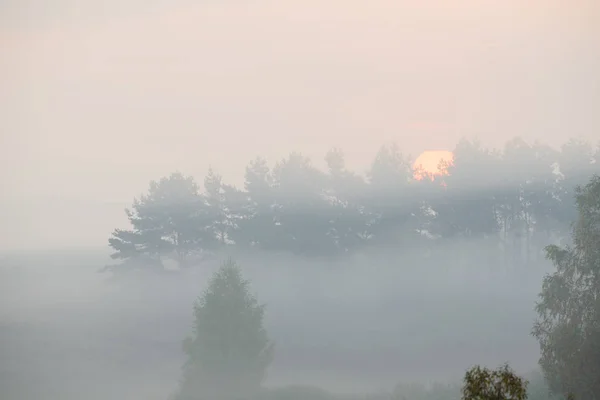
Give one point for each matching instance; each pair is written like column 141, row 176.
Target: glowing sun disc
column 428, row 162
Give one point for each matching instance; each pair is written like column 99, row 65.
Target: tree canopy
column 518, row 199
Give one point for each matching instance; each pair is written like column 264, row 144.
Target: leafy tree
column 568, row 325
column 164, row 221
column 500, row 384
column 229, row 351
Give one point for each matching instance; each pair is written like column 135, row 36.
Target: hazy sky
column 97, row 98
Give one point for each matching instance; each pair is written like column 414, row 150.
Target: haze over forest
column 144, row 144
column 98, row 99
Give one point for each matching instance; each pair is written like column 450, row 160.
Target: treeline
column 519, row 199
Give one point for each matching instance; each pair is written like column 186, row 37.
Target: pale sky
column 97, row 98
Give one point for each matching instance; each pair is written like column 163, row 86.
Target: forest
column 517, row 200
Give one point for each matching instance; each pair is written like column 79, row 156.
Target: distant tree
column 525, row 197
column 336, row 163
column 568, row 325
column 469, row 206
column 500, row 384
column 517, row 200
column 223, row 204
column 343, row 182
column 539, row 196
column 258, row 225
column 229, row 351
column 389, row 203
column 164, row 221
column 345, row 191
column 301, row 212
column 390, row 171
column 575, row 165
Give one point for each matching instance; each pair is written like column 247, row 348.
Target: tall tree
column 568, row 325
column 165, row 221
column 229, row 351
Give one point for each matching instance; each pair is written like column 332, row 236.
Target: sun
column 427, row 164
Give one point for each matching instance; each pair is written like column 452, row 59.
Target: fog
column 99, row 99
column 356, row 324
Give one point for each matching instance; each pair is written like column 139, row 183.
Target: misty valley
column 325, row 285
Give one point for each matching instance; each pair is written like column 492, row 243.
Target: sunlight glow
column 428, row 163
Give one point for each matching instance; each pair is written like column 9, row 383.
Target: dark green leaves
column 500, row 384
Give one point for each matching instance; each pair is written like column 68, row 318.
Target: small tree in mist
column 229, row 351
column 500, row 384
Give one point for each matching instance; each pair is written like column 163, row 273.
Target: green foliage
column 229, row 351
column 568, row 326
column 500, row 384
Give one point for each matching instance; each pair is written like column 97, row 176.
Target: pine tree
column 229, row 351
